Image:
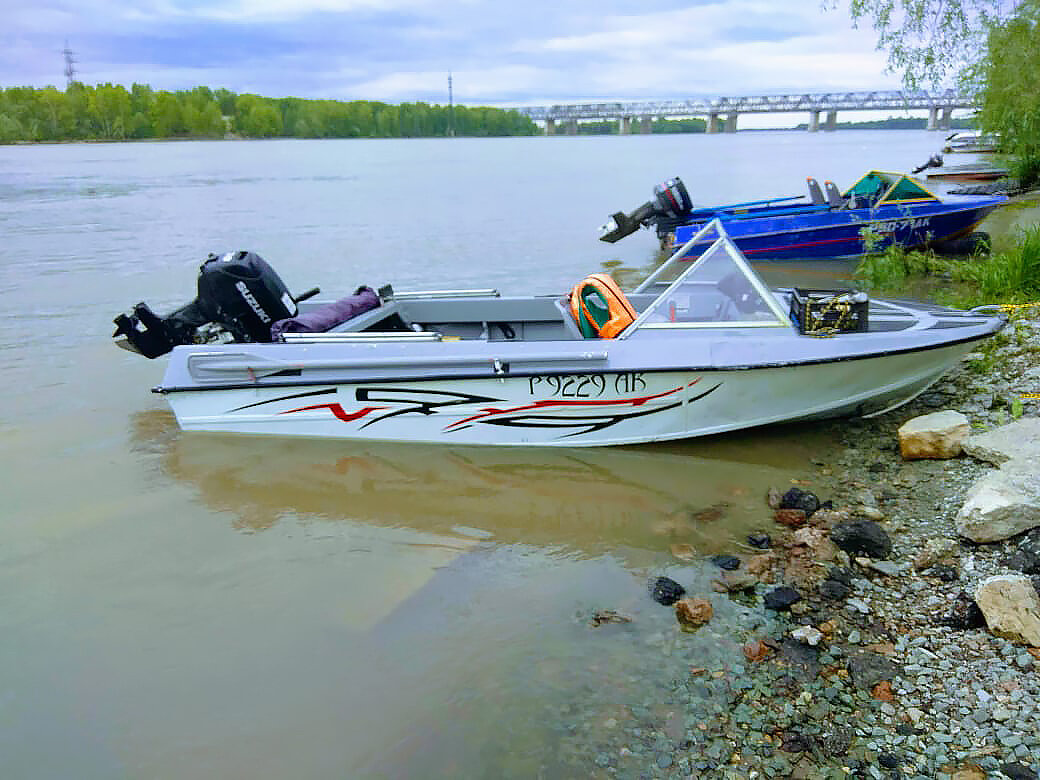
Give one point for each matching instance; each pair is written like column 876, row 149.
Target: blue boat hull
column 841, row 232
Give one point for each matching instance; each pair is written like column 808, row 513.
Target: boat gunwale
column 996, row 327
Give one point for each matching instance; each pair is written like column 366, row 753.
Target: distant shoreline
column 798, row 128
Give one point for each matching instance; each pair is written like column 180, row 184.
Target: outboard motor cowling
column 673, row 201
column 239, row 297
column 243, row 293
column 670, row 205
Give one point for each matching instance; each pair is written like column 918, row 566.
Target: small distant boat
column 699, row 348
column 969, row 172
column 965, row 143
column 881, row 209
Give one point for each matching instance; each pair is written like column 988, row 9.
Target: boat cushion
column 328, row 316
column 600, row 308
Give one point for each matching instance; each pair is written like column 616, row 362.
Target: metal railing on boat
column 375, row 337
column 404, row 296
column 220, row 366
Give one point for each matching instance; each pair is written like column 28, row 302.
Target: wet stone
column 859, row 536
column 868, row 669
column 1018, row 771
column 796, row 498
column 963, row 614
column 760, row 541
column 792, row 518
column 782, row 598
column 943, row 572
column 1023, row 560
column 728, row 562
column 666, row 591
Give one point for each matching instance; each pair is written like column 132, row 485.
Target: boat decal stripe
column 326, row 391
column 706, row 392
column 491, row 412
column 337, row 410
column 588, row 423
column 847, row 239
column 419, row 401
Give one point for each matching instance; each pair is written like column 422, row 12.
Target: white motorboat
column 701, row 347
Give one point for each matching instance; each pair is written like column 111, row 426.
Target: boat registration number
column 910, row 223
column 586, row 385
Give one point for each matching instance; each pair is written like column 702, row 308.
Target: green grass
column 1026, row 169
column 1009, row 276
column 888, row 270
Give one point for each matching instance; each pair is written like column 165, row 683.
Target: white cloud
column 253, row 11
column 501, row 51
column 471, row 86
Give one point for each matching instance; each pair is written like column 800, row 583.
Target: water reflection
column 707, row 494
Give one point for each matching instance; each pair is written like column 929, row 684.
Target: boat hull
column 846, row 232
column 574, row 410
column 989, row 174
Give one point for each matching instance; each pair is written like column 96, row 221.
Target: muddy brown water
column 186, row 606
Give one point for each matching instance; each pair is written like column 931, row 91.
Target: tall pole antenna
column 451, row 110
column 70, row 64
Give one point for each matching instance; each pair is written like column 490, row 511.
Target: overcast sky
column 500, row 52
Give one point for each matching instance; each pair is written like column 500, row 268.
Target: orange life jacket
column 600, row 308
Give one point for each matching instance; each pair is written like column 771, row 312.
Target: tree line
column 990, row 47
column 111, row 112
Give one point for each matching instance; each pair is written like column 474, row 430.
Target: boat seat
column 600, row 308
column 815, row 193
column 569, row 324
column 834, row 199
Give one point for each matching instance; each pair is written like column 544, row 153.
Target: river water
column 178, row 606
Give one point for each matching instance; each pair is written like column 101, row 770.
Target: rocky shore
column 892, row 631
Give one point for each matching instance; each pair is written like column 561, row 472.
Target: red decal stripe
column 337, row 410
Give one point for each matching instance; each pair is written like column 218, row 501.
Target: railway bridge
column 722, row 112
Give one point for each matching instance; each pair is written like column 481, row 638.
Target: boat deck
column 489, row 317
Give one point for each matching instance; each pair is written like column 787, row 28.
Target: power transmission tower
column 451, row 110
column 70, row 65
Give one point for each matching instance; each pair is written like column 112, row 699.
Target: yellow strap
column 1018, row 305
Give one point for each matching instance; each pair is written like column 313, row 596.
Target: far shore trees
column 110, row 112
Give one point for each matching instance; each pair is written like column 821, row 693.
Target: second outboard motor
column 239, row 297
column 671, row 204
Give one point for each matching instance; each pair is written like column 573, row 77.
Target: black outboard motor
column 238, row 293
column 935, row 161
column 670, row 205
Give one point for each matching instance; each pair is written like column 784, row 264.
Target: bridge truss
column 761, row 104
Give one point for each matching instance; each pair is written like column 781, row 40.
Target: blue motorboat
column 881, row 209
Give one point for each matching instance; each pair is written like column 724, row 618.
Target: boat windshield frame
column 725, row 243
column 894, row 178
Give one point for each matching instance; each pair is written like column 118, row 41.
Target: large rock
column 936, row 435
column 1019, row 439
column 1011, row 607
column 1002, row 504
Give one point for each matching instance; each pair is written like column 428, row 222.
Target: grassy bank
column 1010, row 275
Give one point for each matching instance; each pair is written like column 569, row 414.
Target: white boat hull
column 592, row 409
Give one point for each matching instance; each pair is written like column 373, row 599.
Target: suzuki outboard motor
column 239, row 297
column 670, row 205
